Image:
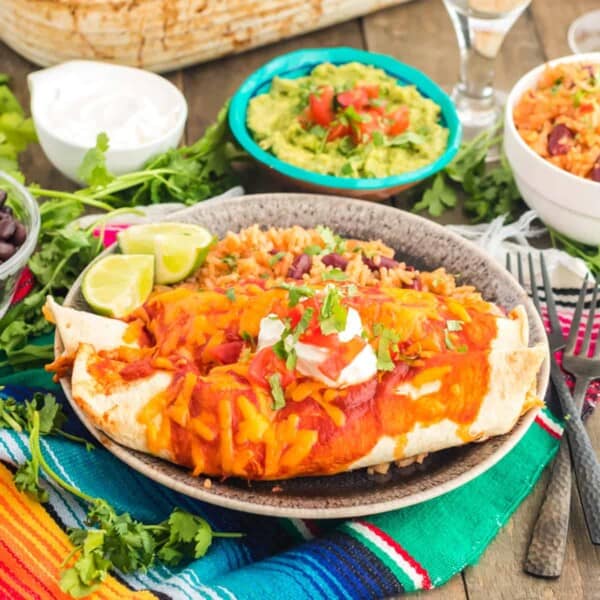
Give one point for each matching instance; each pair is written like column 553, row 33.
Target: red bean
column 595, row 172
column 301, row 265
column 559, row 140
column 383, row 261
column 335, row 260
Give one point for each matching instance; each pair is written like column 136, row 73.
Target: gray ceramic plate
column 417, row 241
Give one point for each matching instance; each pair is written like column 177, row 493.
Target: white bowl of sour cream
column 142, row 113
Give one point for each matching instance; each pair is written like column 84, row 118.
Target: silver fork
column 546, row 552
column 585, row 462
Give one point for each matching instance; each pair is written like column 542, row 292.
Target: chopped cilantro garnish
column 378, row 139
column 318, row 130
column 247, row 338
column 448, row 341
column 462, row 349
column 347, row 169
column 285, row 347
column 388, row 340
column 276, row 391
column 351, row 290
column 333, row 242
column 230, row 293
column 230, row 260
column 453, row 325
column 313, row 250
column 334, row 275
column 578, row 97
column 333, row 314
column 557, row 83
column 264, row 276
column 276, row 258
column 296, row 293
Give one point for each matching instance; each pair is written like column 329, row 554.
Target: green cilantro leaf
column 333, row 314
column 276, row 258
column 334, row 275
column 296, row 293
column 333, row 242
column 93, row 168
column 453, row 325
column 231, row 261
column 448, row 341
column 378, row 139
column 388, row 340
column 313, row 250
column 276, row 391
column 347, row 169
column 230, row 293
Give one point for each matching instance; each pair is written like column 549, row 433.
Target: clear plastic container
column 27, row 211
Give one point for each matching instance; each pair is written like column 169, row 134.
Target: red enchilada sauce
column 218, row 417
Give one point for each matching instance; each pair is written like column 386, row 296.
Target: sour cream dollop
column 310, row 357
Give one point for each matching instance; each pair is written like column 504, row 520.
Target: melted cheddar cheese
column 218, row 417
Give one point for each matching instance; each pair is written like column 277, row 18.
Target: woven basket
column 161, row 35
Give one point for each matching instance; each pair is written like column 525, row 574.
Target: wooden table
column 420, row 34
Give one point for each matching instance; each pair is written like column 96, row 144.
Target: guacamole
column 350, row 120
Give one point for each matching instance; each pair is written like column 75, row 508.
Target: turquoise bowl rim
column 297, row 63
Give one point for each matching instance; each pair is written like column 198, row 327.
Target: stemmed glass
column 480, row 26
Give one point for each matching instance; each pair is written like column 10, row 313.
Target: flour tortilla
column 514, row 369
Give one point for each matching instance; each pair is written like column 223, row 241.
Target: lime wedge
column 117, row 284
column 179, row 248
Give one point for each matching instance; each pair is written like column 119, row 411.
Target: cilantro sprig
column 388, row 343
column 333, row 314
column 489, row 192
column 114, row 540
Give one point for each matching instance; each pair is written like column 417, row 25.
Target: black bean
column 301, row 265
column 559, row 140
column 6, row 250
column 20, row 234
column 335, row 260
column 8, row 226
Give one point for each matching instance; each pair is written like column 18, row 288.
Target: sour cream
column 80, row 99
column 310, row 357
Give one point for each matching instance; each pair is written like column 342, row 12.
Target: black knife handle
column 585, row 462
column 546, row 552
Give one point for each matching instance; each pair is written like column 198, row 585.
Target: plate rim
column 129, row 456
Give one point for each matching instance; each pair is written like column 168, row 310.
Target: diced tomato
column 393, row 379
column 363, row 131
column 341, row 357
column 338, row 130
column 399, row 121
column 357, row 97
column 586, row 107
column 228, row 352
column 266, row 363
column 372, row 89
column 321, row 106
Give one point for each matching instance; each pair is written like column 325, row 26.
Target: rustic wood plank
column 453, row 590
column 420, row 34
column 34, row 163
column 552, row 19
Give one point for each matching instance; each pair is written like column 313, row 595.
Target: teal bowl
column 302, row 62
